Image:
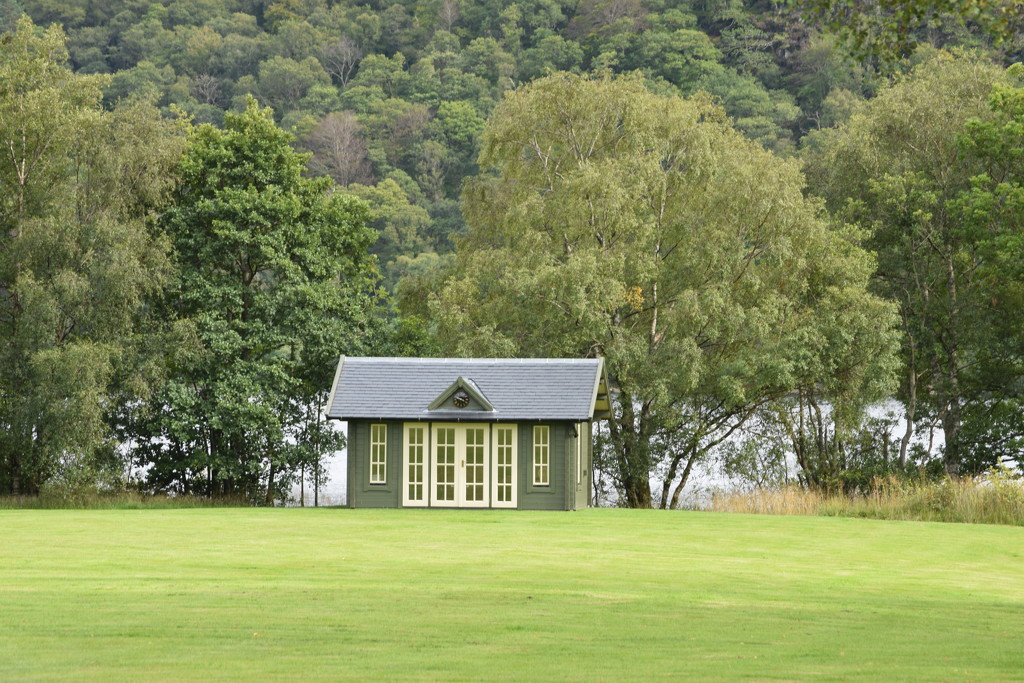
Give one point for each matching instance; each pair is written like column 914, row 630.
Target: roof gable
column 470, row 393
column 499, row 389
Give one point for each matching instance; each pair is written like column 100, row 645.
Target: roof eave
column 334, row 388
column 600, row 402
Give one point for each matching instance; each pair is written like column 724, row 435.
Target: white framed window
column 504, row 481
column 414, row 492
column 541, row 455
column 378, row 454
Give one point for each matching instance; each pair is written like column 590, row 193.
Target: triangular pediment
column 463, row 394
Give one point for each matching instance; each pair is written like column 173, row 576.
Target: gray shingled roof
column 519, row 389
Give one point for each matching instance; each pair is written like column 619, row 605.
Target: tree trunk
column 636, row 481
column 268, row 500
column 951, row 430
column 638, row 492
column 682, row 481
column 951, row 416
column 911, row 407
column 631, row 454
column 666, row 484
column 15, row 477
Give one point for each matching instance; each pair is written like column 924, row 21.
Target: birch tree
column 609, row 221
column 78, row 255
column 896, row 170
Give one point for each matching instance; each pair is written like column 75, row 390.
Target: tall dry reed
column 996, row 498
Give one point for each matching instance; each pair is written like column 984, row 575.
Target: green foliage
column 145, row 81
column 848, row 459
column 614, row 222
column 273, row 284
column 78, row 257
column 400, row 224
column 284, row 81
column 833, row 453
column 992, row 433
column 400, row 68
column 757, row 458
column 401, row 92
column 990, row 212
column 10, row 12
column 551, row 53
column 899, row 171
column 889, row 31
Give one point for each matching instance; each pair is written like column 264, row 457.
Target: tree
column 401, row 226
column 340, row 57
column 144, row 81
column 283, row 81
column 78, row 257
column 387, row 73
column 599, row 18
column 10, row 12
column 274, row 282
column 613, row 222
column 448, row 14
column 487, row 59
column 458, row 125
column 894, row 170
column 339, row 149
column 888, row 31
column 552, row 53
column 991, row 213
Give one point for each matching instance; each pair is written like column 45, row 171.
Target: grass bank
column 485, row 595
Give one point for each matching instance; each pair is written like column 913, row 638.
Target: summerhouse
column 469, row 433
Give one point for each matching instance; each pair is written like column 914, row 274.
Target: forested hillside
column 734, row 308
column 391, row 97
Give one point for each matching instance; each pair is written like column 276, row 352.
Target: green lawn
column 468, row 595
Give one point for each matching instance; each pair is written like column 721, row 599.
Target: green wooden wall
column 561, row 493
column 361, row 493
column 552, row 496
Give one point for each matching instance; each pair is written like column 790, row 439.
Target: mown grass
column 334, row 594
column 996, row 499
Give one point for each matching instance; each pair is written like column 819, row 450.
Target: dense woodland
column 767, row 217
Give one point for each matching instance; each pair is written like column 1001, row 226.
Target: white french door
column 460, row 468
column 444, row 490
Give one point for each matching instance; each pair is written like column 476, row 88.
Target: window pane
column 378, row 453
column 541, row 454
column 414, row 473
column 444, row 474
